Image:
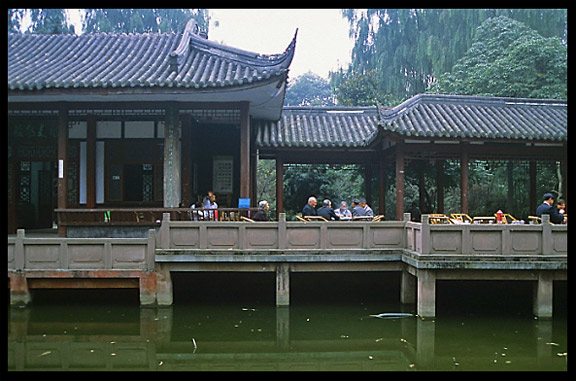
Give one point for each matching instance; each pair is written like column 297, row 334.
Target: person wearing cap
column 547, row 207
column 262, row 213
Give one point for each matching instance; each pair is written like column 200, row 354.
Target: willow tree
column 410, row 48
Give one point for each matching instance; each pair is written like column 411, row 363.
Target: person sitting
column 367, row 210
column 310, row 208
column 209, row 202
column 343, row 213
column 327, row 212
column 357, row 211
column 547, row 208
column 262, row 213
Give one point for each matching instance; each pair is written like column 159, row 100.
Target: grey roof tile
column 422, row 116
column 38, row 62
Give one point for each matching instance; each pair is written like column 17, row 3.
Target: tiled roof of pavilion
column 422, row 116
column 168, row 60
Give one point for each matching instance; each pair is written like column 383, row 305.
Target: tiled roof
column 422, row 116
column 316, row 127
column 89, row 61
column 459, row 116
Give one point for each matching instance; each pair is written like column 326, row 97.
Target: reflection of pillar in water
column 425, row 343
column 283, row 328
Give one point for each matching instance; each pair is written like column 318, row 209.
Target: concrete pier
column 423, row 253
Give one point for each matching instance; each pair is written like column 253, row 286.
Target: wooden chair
column 535, row 219
column 507, row 217
column 378, row 218
column 461, row 217
column 484, row 220
column 315, row 218
column 439, row 219
column 299, row 218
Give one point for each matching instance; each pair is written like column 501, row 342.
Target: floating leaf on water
column 562, row 354
column 44, row 353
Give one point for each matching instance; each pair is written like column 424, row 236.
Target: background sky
column 322, row 44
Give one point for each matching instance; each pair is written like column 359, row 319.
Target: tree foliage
column 410, row 48
column 309, row 89
column 57, row 21
column 507, row 58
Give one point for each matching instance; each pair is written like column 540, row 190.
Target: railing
column 422, row 238
column 281, row 235
column 485, row 239
column 146, row 216
column 80, row 253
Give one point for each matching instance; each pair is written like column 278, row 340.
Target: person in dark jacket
column 327, row 212
column 547, row 207
column 310, row 208
column 262, row 213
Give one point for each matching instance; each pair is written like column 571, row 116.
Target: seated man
column 310, row 208
column 357, row 211
column 262, row 213
column 343, row 211
column 547, row 208
column 327, row 212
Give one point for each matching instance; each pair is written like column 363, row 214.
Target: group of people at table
column 359, row 209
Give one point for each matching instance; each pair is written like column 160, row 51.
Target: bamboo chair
column 439, row 219
column 461, row 217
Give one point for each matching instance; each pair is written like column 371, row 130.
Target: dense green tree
column 142, row 20
column 57, row 21
column 309, row 89
column 507, row 58
column 410, row 48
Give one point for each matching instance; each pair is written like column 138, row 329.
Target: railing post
column 546, row 235
column 425, row 235
column 282, row 239
column 165, row 231
column 150, row 250
column 19, row 250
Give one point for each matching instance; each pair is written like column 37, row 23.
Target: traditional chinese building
column 133, row 120
column 426, row 127
column 104, row 121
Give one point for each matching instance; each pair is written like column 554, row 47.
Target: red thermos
column 499, row 215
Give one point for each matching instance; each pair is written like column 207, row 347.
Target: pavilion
column 103, row 121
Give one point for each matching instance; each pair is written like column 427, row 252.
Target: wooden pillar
column 440, row 186
column 381, row 188
column 91, row 163
column 279, row 187
column 186, row 160
column 464, row 181
column 533, row 203
column 62, row 164
column 245, row 179
column 564, row 173
column 399, row 181
column 172, row 159
column 421, row 187
column 368, row 183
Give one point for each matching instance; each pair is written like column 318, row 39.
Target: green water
column 107, row 330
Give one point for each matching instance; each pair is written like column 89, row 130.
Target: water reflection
column 305, row 337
